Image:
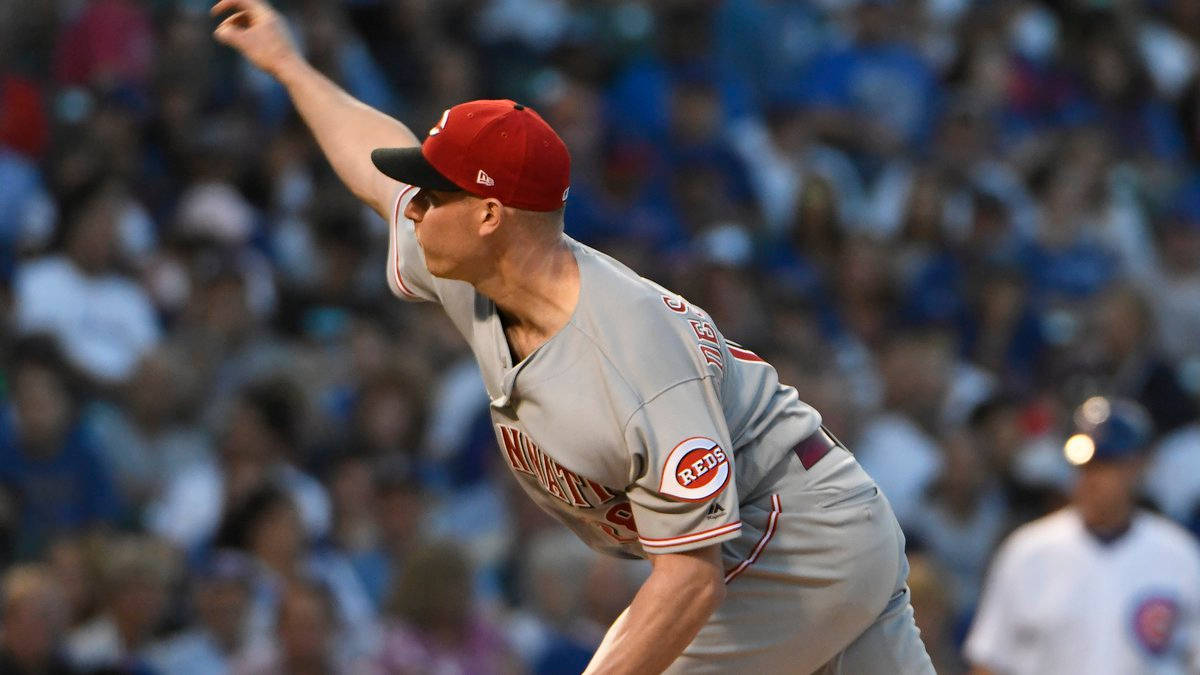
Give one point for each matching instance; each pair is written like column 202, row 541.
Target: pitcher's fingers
column 227, row 31
column 241, row 5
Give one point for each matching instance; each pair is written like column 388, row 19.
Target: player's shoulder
column 1050, row 532
column 1169, row 535
column 642, row 329
column 623, row 305
column 615, row 284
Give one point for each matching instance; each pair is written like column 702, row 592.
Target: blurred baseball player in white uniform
column 1100, row 586
column 619, row 406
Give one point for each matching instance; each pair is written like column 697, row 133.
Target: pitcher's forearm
column 666, row 614
column 347, row 130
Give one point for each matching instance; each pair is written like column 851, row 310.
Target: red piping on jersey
column 776, row 507
column 744, row 354
column 396, row 268
column 649, row 542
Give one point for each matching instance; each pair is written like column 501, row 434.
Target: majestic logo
column 696, row 470
column 437, row 128
column 484, row 179
column 565, row 193
column 1154, row 622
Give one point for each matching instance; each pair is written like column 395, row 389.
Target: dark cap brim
column 408, row 165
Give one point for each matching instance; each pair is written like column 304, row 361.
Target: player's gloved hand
column 257, row 31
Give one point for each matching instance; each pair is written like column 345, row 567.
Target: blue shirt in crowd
column 64, row 493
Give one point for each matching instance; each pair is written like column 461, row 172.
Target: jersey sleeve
column 1190, row 616
column 990, row 643
column 407, row 276
column 683, row 493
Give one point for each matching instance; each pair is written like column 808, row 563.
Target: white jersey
column 1058, row 600
column 638, row 425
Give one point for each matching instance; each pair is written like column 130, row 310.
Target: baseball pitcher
column 618, row 405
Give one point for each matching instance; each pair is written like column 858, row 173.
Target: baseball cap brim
column 408, row 165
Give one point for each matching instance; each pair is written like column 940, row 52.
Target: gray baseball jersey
column 638, row 425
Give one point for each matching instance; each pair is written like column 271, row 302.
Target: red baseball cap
column 491, row 148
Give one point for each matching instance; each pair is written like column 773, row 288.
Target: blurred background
column 225, row 448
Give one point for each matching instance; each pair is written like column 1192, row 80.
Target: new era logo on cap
column 528, row 166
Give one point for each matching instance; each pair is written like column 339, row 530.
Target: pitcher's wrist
column 291, row 69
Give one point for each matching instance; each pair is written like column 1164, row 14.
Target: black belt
column 812, row 449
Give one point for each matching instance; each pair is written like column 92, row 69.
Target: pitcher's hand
column 257, row 31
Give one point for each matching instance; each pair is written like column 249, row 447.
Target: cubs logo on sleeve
column 696, row 470
column 1154, row 621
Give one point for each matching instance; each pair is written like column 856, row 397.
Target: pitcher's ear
column 491, row 213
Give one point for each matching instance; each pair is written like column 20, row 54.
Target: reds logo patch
column 1154, row 622
column 695, row 471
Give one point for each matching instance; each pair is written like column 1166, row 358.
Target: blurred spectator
column 260, row 445
column 49, row 464
column 1173, row 288
column 876, row 95
column 103, row 319
column 1004, row 335
column 1067, row 262
column 135, row 580
column 34, row 618
column 727, row 289
column 554, row 636
column 218, row 329
column 266, row 526
column 1169, row 56
column 1121, row 93
column 707, row 179
column 388, row 418
column 24, row 126
column 864, row 294
column 399, row 512
column 352, row 492
column 1009, row 442
column 624, row 201
column 214, row 212
column 799, row 181
column 435, row 626
column 1100, row 573
column 933, row 607
column 961, row 520
column 769, row 42
column 108, row 44
column 220, row 594
column 338, row 51
column 609, row 587
column 303, row 642
column 1189, row 114
column 26, row 209
column 144, row 435
column 815, row 233
column 1130, row 363
column 898, row 447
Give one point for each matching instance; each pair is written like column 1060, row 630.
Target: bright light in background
column 1079, row 449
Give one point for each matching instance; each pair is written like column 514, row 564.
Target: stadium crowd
column 225, row 448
